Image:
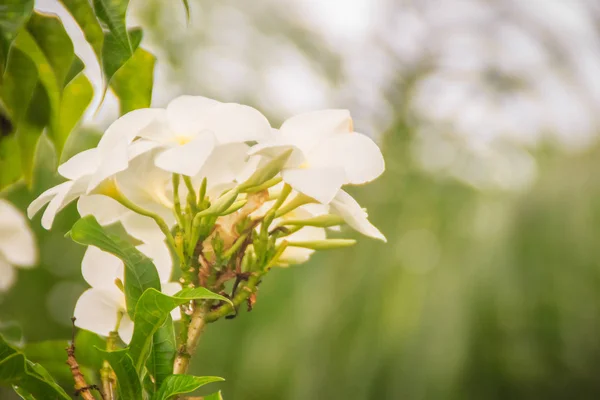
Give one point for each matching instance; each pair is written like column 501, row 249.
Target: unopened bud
column 326, row 244
column 321, row 221
column 266, row 172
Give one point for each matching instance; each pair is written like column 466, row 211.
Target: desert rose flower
column 17, row 244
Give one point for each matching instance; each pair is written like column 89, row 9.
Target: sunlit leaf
column 84, row 15
column 152, row 310
column 214, row 396
column 77, row 96
column 132, row 83
column 140, row 272
column 76, row 67
column 32, row 378
column 181, row 384
column 129, row 386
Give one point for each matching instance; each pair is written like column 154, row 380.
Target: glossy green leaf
column 32, row 378
column 132, row 83
column 152, row 310
column 181, row 384
column 20, row 81
column 112, row 14
column 25, row 395
column 129, row 385
column 77, row 96
column 13, row 15
column 162, row 354
column 140, row 272
column 115, row 55
column 84, row 15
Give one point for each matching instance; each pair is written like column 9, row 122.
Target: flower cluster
column 229, row 194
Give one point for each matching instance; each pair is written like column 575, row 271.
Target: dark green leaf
column 133, row 82
column 20, row 80
column 129, row 385
column 152, row 311
column 10, row 161
column 83, row 13
column 77, row 96
column 140, row 272
column 52, row 38
column 30, row 128
column 180, row 384
column 162, row 355
column 32, row 378
column 25, row 395
column 115, row 55
column 112, row 13
column 13, row 15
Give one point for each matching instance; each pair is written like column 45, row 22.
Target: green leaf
column 77, row 96
column 25, row 395
column 10, row 161
column 140, row 272
column 180, row 384
column 13, row 15
column 76, row 67
column 162, row 355
column 82, row 138
column 32, row 378
column 115, row 55
column 129, row 385
column 112, row 13
column 152, row 311
column 214, row 396
column 132, row 83
column 54, row 41
column 84, row 15
column 20, row 81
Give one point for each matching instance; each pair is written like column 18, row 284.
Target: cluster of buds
column 214, row 185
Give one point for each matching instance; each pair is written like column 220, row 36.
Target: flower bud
column 266, row 172
column 327, row 244
column 321, row 221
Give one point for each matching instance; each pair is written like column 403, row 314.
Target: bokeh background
column 488, row 114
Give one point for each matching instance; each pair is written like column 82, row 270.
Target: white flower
column 80, row 170
column 17, row 244
column 327, row 153
column 354, row 215
column 102, row 307
column 190, row 129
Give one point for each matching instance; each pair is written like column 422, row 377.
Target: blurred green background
column 486, row 111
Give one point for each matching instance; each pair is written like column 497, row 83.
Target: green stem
column 195, row 330
column 240, row 297
column 191, row 197
column 177, row 201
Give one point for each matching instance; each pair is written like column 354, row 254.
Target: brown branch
column 81, row 386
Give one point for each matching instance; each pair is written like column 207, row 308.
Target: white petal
column 322, row 184
column 44, row 198
column 7, row 275
column 275, row 149
column 105, row 209
column 225, row 164
column 97, row 310
column 356, row 153
column 142, row 228
column 17, row 242
column 127, row 127
column 187, row 159
column 67, row 194
column 159, row 253
column 171, row 288
column 100, row 269
column 346, row 207
column 186, row 113
column 308, row 129
column 81, row 164
column 236, row 123
column 126, row 329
